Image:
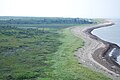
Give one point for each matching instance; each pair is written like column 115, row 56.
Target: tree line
column 44, row 20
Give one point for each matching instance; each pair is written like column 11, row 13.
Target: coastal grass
column 66, row 65
column 37, row 54
column 26, row 54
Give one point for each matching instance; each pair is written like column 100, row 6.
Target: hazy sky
column 61, row 8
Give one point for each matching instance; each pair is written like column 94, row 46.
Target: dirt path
column 84, row 55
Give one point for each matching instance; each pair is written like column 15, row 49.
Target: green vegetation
column 26, row 53
column 43, row 20
column 40, row 22
column 66, row 66
column 41, row 53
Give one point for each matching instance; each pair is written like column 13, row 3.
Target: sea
column 110, row 34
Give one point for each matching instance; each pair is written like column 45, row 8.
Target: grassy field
column 26, row 53
column 41, row 54
column 66, row 66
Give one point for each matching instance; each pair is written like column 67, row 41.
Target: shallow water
column 110, row 34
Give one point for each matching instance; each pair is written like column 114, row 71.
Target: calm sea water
column 110, row 34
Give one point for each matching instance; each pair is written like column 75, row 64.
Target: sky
column 61, row 8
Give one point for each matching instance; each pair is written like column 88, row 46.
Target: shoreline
column 103, row 57
column 94, row 53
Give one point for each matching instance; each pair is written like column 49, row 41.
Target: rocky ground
column 92, row 54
